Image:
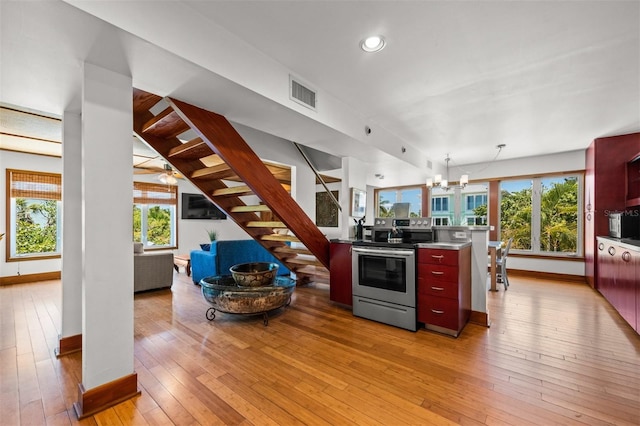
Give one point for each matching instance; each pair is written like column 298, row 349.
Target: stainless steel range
column 384, row 271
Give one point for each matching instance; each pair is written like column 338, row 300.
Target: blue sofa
column 224, row 254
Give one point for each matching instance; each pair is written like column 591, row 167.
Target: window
column 154, row 214
column 388, row 197
column 440, row 221
column 34, row 213
column 476, row 209
column 460, row 205
column 541, row 214
column 475, row 201
column 515, row 212
column 440, row 204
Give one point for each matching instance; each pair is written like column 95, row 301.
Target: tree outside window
column 541, row 214
column 154, row 214
column 515, row 212
column 559, row 215
column 34, row 209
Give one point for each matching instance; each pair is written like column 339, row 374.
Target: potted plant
column 213, row 234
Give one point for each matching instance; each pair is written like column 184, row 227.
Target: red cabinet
column 633, row 182
column 608, row 168
column 618, row 278
column 444, row 289
column 340, row 273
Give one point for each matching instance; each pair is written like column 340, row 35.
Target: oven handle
column 385, row 252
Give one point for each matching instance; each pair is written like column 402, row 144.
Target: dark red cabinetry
column 618, row 278
column 444, row 289
column 610, row 185
column 340, row 273
column 633, row 182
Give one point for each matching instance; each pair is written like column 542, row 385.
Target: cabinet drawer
column 440, row 273
column 438, row 256
column 438, row 311
column 438, row 289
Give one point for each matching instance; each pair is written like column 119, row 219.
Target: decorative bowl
column 223, row 293
column 254, row 274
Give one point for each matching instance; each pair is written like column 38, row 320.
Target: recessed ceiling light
column 372, row 44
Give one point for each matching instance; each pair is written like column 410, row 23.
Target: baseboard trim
column 68, row 345
column 30, row 278
column 480, row 318
column 104, row 396
column 547, row 275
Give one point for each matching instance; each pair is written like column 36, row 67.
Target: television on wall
column 197, row 206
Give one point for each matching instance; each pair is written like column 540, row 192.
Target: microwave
column 624, row 225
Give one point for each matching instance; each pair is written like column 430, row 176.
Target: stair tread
column 219, row 171
column 250, row 209
column 265, row 224
column 233, row 191
column 302, row 261
column 191, row 150
column 279, row 237
column 292, row 250
column 167, row 124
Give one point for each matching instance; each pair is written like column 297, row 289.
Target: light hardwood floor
column 556, row 353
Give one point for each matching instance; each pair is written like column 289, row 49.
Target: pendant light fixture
column 437, row 180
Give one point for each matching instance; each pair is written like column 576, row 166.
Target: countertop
column 343, row 240
column 623, row 242
column 435, row 245
column 444, row 245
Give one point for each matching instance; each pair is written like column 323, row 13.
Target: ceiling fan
column 166, row 174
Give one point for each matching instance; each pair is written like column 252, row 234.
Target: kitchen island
column 477, row 236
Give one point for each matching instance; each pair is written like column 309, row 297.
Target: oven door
column 385, row 274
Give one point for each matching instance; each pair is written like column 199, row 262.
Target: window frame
column 536, row 214
column 424, row 198
column 41, row 193
column 147, row 195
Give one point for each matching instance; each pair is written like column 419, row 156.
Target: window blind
column 34, row 185
column 154, row 193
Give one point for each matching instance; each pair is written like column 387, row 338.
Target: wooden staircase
column 221, row 164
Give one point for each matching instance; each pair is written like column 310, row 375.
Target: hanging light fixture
column 437, row 180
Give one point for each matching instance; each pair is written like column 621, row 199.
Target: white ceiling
column 456, row 77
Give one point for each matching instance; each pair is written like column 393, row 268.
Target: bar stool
column 501, row 265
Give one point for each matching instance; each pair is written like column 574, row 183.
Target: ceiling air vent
column 302, row 94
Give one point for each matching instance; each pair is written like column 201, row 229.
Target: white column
column 107, row 176
column 479, row 274
column 72, row 220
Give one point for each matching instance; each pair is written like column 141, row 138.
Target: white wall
column 552, row 163
column 15, row 160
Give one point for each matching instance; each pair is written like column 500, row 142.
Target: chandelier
column 437, row 180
